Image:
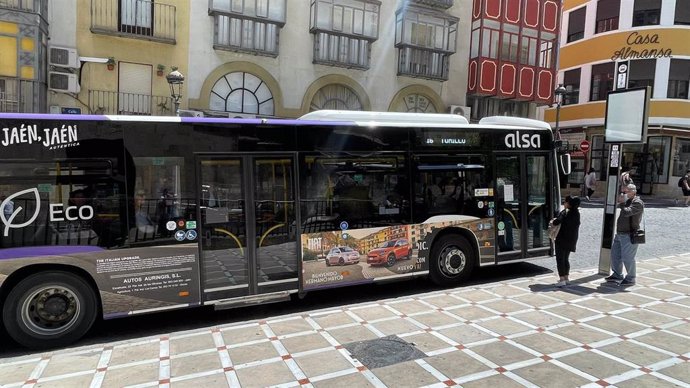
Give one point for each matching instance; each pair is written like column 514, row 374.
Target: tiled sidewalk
column 521, row 332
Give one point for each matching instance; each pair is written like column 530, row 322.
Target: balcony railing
column 9, row 103
column 421, row 63
column 119, row 103
column 39, row 6
column 445, row 4
column 139, row 19
column 341, row 50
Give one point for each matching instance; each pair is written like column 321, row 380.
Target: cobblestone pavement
column 521, row 332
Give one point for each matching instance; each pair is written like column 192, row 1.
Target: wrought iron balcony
column 119, row 103
column 38, row 6
column 138, row 19
column 444, row 4
column 9, row 103
column 423, row 63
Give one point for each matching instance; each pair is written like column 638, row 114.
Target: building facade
column 23, row 66
column 651, row 37
column 286, row 58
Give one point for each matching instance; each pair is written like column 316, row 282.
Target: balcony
column 423, row 63
column 443, row 4
column 119, row 103
column 137, row 19
column 242, row 34
column 341, row 50
column 38, row 6
column 9, row 103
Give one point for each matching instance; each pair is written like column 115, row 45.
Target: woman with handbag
column 566, row 239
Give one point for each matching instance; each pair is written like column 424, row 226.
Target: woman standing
column 566, row 240
column 591, row 182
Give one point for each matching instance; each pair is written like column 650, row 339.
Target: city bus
column 113, row 216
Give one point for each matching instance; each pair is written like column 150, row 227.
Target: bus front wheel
column 49, row 309
column 452, row 260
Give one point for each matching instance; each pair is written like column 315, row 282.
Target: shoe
column 561, row 283
column 613, row 278
column 626, row 282
column 587, row 197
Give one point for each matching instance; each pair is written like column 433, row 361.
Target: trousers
column 623, row 254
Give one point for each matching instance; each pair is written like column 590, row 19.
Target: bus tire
column 452, row 260
column 49, row 309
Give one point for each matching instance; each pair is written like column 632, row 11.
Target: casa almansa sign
column 633, row 50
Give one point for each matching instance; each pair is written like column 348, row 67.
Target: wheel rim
column 50, row 310
column 391, row 260
column 452, row 261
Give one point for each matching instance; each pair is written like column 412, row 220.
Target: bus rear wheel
column 452, row 260
column 49, row 309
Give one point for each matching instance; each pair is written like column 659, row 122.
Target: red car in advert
column 390, row 252
column 341, row 256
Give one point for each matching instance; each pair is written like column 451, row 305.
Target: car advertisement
column 353, row 256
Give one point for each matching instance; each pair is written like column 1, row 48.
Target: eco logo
column 16, row 211
column 56, row 213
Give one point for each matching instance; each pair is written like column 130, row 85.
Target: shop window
column 607, row 15
column 682, row 12
column 600, row 154
column 641, row 74
column 659, row 153
column 646, row 13
column 571, row 81
column 576, row 24
column 679, row 79
column 681, row 157
column 602, row 81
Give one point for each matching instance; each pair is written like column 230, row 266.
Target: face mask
column 627, row 196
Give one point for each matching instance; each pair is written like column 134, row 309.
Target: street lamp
column 175, row 80
column 559, row 93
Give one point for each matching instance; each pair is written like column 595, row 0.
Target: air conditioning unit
column 63, row 82
column 461, row 110
column 190, row 113
column 63, row 57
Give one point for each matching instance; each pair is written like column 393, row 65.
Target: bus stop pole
column 610, row 201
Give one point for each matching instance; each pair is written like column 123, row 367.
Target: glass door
column 248, row 240
column 523, row 209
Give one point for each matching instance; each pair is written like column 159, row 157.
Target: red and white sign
column 584, row 146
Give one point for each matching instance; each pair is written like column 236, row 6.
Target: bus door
column 247, row 214
column 523, row 209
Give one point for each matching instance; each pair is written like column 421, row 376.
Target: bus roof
column 514, row 122
column 390, row 118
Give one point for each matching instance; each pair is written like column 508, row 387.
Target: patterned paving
column 522, row 332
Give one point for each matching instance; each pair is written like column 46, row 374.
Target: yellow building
column 23, row 36
column 118, row 55
column 653, row 36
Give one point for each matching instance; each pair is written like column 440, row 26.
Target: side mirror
column 565, row 163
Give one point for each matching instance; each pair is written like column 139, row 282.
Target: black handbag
column 638, row 236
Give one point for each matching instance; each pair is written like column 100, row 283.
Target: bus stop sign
column 584, row 146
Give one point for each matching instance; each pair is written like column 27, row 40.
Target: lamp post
column 558, row 94
column 175, row 80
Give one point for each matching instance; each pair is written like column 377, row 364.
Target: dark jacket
column 570, row 228
column 631, row 213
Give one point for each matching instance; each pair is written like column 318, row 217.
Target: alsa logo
column 517, row 140
column 58, row 211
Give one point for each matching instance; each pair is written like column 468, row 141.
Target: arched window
column 335, row 96
column 416, row 103
column 241, row 92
